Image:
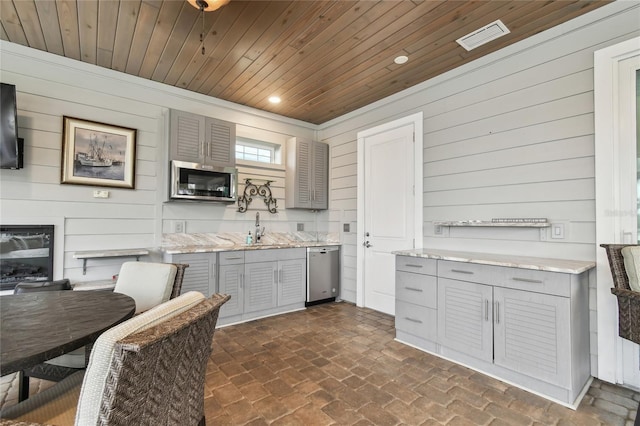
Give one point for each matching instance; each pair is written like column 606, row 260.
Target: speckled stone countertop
column 524, row 262
column 230, row 241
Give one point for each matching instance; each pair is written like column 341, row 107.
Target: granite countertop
column 232, row 241
column 524, row 262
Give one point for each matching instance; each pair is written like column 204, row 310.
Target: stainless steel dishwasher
column 323, row 274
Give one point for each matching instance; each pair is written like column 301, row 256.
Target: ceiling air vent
column 483, row 35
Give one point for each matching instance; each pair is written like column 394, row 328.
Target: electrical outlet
column 437, row 230
column 179, row 226
column 557, row 231
column 300, row 227
column 345, row 227
column 100, row 194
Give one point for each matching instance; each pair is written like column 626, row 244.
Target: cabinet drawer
column 417, row 289
column 417, row 320
column 271, row 255
column 417, row 265
column 231, row 257
column 545, row 282
column 463, row 271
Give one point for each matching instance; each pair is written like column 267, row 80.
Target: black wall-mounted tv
column 11, row 147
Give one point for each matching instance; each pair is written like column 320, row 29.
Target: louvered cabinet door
column 465, row 317
column 320, row 168
column 532, row 336
column 291, row 281
column 200, row 275
column 260, row 286
column 230, row 282
column 220, row 143
column 187, row 136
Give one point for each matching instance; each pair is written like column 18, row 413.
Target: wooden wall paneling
column 74, row 208
column 569, row 85
column 107, row 242
column 263, row 66
column 309, row 64
column 127, row 20
column 179, row 37
column 11, row 23
column 28, row 15
column 54, row 191
column 87, row 226
column 88, row 30
column 144, row 29
column 574, row 168
column 558, row 109
column 569, row 127
column 108, row 17
column 217, row 24
column 273, row 35
column 167, row 18
column 546, row 151
column 48, row 15
column 68, row 19
column 216, row 79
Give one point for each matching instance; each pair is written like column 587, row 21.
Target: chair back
column 616, row 264
column 149, row 284
column 150, row 370
column 177, row 284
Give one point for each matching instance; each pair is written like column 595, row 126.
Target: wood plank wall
column 510, row 135
column 49, row 87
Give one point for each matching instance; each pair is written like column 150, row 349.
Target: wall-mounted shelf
column 480, row 223
column 97, row 254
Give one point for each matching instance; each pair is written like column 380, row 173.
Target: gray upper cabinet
column 199, row 139
column 307, row 180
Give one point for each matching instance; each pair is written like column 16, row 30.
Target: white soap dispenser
column 249, row 238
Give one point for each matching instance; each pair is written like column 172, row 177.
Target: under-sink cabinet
column 260, row 282
column 527, row 327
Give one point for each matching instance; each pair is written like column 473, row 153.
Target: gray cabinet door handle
column 462, row 271
column 497, row 307
column 414, row 289
column 527, row 280
column 486, row 310
column 410, row 265
column 233, row 258
column 275, row 275
column 413, row 320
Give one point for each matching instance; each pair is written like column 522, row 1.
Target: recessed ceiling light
column 401, row 60
column 274, row 99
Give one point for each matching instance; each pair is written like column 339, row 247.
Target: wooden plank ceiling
column 323, row 58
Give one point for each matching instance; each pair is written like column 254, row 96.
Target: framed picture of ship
column 98, row 154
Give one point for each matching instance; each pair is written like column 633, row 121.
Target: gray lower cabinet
column 201, row 273
column 230, row 280
column 525, row 326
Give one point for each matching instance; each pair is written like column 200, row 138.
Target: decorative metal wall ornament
column 251, row 190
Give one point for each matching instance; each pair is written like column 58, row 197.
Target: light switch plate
column 300, row 227
column 98, row 193
column 557, row 231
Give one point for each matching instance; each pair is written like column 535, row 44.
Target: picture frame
column 98, row 154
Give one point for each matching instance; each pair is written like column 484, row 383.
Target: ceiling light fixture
column 206, row 6
column 401, row 59
column 274, row 99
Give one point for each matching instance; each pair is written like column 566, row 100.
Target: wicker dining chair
column 149, row 370
column 628, row 300
column 61, row 367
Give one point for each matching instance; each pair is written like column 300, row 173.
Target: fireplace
column 26, row 254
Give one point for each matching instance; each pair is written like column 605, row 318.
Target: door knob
column 366, row 244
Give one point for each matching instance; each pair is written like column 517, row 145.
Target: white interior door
column 616, row 115
column 388, row 208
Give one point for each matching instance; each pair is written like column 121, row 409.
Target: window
column 256, row 151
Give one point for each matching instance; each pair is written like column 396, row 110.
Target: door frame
column 609, row 217
column 417, row 120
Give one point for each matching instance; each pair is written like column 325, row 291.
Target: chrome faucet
column 259, row 232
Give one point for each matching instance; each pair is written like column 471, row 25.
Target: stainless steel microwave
column 202, row 182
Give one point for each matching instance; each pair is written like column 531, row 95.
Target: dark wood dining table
column 35, row 327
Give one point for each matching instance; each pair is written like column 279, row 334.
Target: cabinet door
column 320, row 168
column 230, row 282
column 465, row 318
column 187, row 136
column 220, row 137
column 291, row 281
column 260, row 286
column 532, row 336
column 200, row 275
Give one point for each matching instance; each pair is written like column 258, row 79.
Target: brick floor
column 336, row 364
